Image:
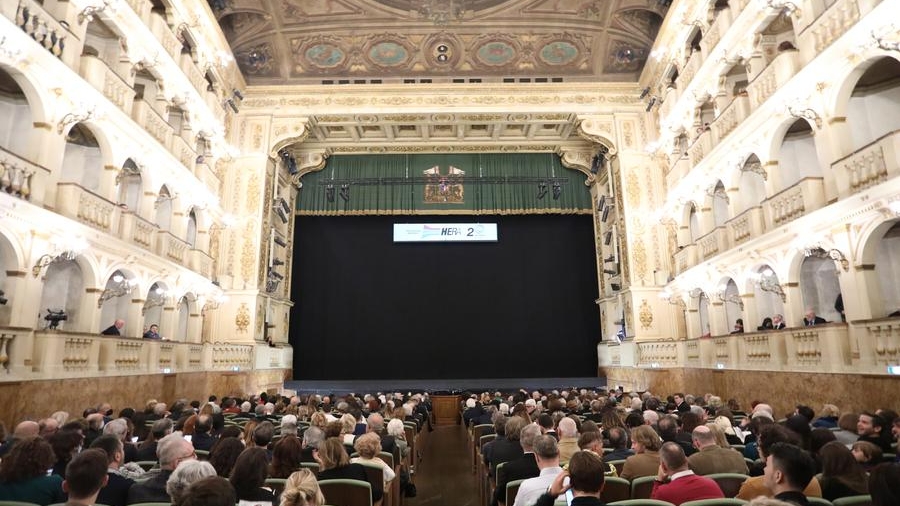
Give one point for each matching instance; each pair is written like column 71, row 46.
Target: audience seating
column 819, row 501
column 512, row 489
column 619, row 465
column 17, row 503
column 716, row 502
column 856, row 500
column 730, row 483
column 615, row 489
column 347, row 492
column 276, row 484
column 147, row 465
column 640, row 502
column 202, row 454
column 375, row 473
column 642, row 487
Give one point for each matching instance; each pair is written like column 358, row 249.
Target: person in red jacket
column 676, row 483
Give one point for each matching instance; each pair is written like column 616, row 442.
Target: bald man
column 712, row 458
column 24, row 430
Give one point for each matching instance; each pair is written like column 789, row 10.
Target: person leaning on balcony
column 152, row 332
column 778, row 322
column 115, row 329
column 811, row 318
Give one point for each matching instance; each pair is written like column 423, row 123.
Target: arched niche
column 63, row 289
column 16, row 118
column 887, row 268
column 797, row 156
column 820, row 286
column 164, row 208
column 115, row 299
column 767, row 291
column 731, row 301
column 130, row 186
column 873, row 108
column 751, row 184
column 191, row 230
column 719, row 203
column 9, row 262
column 83, row 158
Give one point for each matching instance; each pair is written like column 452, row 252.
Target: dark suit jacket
column 131, row 452
column 504, row 451
column 115, row 493
column 203, row 441
column 148, row 452
column 351, row 472
column 152, row 490
column 111, row 331
column 817, row 321
column 794, row 497
column 548, row 500
column 780, row 326
column 519, row 469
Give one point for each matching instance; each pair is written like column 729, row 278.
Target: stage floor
column 342, row 387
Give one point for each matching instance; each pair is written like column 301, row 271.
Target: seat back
column 202, row 454
column 18, row 503
column 276, row 484
column 716, row 502
column 375, row 474
column 388, row 458
column 729, row 483
column 312, row 466
column 615, row 489
column 346, row 492
column 854, row 500
column 642, row 487
column 640, row 502
column 619, row 465
column 512, row 489
column 819, row 501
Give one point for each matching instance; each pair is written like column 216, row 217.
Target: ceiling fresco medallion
column 495, row 53
column 559, row 52
column 389, row 52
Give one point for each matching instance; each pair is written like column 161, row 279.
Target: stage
column 451, row 386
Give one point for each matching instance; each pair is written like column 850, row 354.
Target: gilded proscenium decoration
column 242, row 319
column 444, row 187
column 645, row 315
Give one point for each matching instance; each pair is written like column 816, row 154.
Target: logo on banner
column 444, row 188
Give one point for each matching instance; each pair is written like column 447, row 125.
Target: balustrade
column 689, row 71
column 171, row 247
column 685, row 258
column 831, row 25
column 200, row 262
column 779, row 71
column 871, row 164
column 137, row 229
column 805, row 196
column 733, row 115
column 701, row 147
column 41, row 26
column 152, row 122
column 712, row 243
column 103, row 78
column 160, row 29
column 231, row 357
column 16, row 174
column 750, row 223
column 86, row 207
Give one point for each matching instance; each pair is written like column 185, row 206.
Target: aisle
column 444, row 476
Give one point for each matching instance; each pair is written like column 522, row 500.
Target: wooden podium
column 446, row 409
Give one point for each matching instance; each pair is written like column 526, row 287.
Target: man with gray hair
column 568, row 438
column 119, row 428
column 172, row 451
column 546, row 454
column 712, row 458
column 522, row 468
column 312, row 438
column 375, row 423
column 289, row 425
column 160, row 429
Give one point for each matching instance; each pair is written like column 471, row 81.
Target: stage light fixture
column 345, row 192
column 644, row 92
column 615, row 286
column 611, row 258
column 329, row 193
column 3, row 300
column 542, row 190
column 602, row 202
column 557, row 190
column 605, row 214
column 611, row 272
column 54, row 317
column 650, row 104
column 607, row 238
column 237, row 94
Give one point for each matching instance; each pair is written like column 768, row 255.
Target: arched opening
column 63, row 290
column 191, row 235
column 114, row 299
column 184, row 316
column 751, row 185
column 767, row 292
column 83, row 160
column 101, row 43
column 694, row 224
column 130, row 186
column 874, row 106
column 797, row 158
column 694, row 39
column 706, row 114
column 719, row 204
column 164, row 209
column 731, row 299
column 736, row 80
column 154, row 303
column 15, row 117
column 176, row 119
column 703, row 311
column 7, row 264
column 820, row 287
column 887, row 265
column 778, row 37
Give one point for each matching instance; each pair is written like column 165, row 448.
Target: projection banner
column 445, row 232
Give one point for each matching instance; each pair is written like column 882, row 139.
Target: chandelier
column 441, row 12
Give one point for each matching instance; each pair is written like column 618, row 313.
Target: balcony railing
column 41, row 26
column 701, row 147
column 171, row 247
column 16, row 174
column 690, row 70
column 803, row 197
column 866, row 347
column 146, row 116
column 832, row 24
column 776, row 74
column 87, row 207
column 200, row 262
column 685, row 258
column 871, row 164
column 714, row 242
column 139, row 230
column 164, row 35
column 749, row 223
column 733, row 115
column 97, row 72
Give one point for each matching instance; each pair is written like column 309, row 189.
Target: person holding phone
column 582, row 481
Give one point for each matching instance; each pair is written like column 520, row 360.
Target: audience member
column 811, row 319
column 568, row 439
column 184, row 476
column 302, row 489
column 789, row 469
column 755, row 486
column 115, row 329
column 368, row 445
column 521, row 468
column 778, row 322
column 676, row 483
column 211, row 491
column 884, row 485
column 766, row 324
column 618, row 441
column 712, row 458
column 738, row 326
column 585, row 474
column 874, row 429
column 202, row 438
column 867, row 454
column 172, row 451
column 645, row 461
column 23, row 473
column 224, row 454
column 160, row 429
column 546, row 454
column 842, row 475
column 115, row 493
column 508, row 448
column 285, row 457
column 828, row 417
column 249, row 475
column 334, row 463
column 85, row 476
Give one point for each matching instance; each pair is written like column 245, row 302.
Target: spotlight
column 611, row 258
column 607, row 238
column 3, row 300
column 277, row 261
column 329, row 193
column 557, row 190
column 230, row 103
column 615, row 286
column 605, row 214
column 602, row 202
column 54, row 317
column 281, row 242
column 542, row 190
column 345, row 192
column 650, row 104
column 645, row 92
column 240, row 96
column 611, row 272
column 442, row 58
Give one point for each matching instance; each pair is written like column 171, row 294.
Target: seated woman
column 368, row 445
column 334, row 463
column 842, row 475
column 348, row 427
column 286, row 457
column 645, row 462
column 302, row 489
column 766, row 324
column 23, row 473
column 187, row 472
column 884, row 485
column 249, row 476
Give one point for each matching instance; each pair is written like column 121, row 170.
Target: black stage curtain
column 367, row 308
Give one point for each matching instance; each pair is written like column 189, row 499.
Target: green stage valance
column 492, row 183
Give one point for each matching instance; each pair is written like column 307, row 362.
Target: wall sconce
column 834, row 254
column 887, row 45
column 768, row 282
column 164, row 198
column 671, row 298
column 697, row 293
column 756, row 168
column 157, row 298
column 213, row 303
column 48, row 258
column 806, row 113
column 120, row 287
column 717, row 192
column 786, row 6
column 88, row 13
column 732, row 298
column 70, row 118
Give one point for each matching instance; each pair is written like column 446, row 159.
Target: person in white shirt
column 546, row 454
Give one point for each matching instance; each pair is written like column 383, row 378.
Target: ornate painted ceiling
column 440, row 41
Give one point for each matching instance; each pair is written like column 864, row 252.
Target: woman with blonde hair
column 348, row 425
column 368, row 445
column 318, row 419
column 247, row 437
column 302, row 489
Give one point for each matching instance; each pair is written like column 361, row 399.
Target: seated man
column 546, row 454
column 768, row 437
column 618, row 440
column 522, row 467
column 85, row 476
column 676, row 483
column 172, row 450
column 712, row 458
column 789, row 469
column 585, row 474
column 115, row 493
